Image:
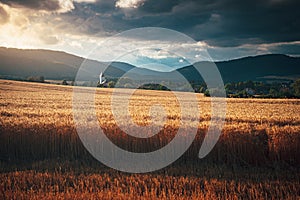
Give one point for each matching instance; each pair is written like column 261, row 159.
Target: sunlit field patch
column 257, row 155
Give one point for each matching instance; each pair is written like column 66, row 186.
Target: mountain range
column 56, row 65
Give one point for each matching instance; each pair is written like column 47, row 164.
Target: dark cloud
column 220, row 22
column 223, row 23
column 4, row 16
column 45, row 5
column 104, row 6
column 237, row 22
column 99, row 18
column 35, row 4
column 103, row 15
column 151, row 6
column 257, row 22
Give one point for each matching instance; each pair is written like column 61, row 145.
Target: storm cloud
column 248, row 26
column 44, row 5
column 223, row 23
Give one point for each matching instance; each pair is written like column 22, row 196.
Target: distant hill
column 256, row 68
column 50, row 64
column 260, row 67
column 16, row 63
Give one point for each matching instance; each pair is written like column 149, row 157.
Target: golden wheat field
column 42, row 157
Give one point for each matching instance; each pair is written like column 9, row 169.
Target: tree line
column 244, row 89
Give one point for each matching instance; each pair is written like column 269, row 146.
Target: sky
column 227, row 29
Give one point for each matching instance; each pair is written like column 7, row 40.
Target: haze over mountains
column 16, row 63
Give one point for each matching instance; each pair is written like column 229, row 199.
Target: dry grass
column 36, row 125
column 46, row 185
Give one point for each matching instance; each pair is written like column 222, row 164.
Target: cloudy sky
column 226, row 28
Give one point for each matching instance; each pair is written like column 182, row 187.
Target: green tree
column 206, row 93
column 64, row 82
column 202, row 89
column 296, row 87
column 40, row 79
column 111, row 84
column 273, row 92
